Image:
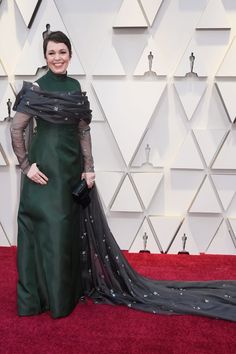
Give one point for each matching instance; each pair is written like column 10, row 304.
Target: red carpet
column 111, row 329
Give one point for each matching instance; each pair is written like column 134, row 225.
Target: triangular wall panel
column 190, row 91
column 232, row 222
column 209, row 141
column 122, row 203
column 226, row 90
column 124, row 229
column 138, row 242
column 203, row 229
column 153, row 160
column 97, row 112
column 226, row 188
column 27, row 9
column 214, row 17
column 147, row 184
column 108, row 63
column 3, row 157
column 2, row 70
column 130, row 15
column 206, row 200
column 200, row 65
column 208, row 50
column 153, row 151
column 5, row 94
column 165, row 228
column 28, row 64
column 182, row 188
column 187, row 157
column 151, row 8
column 158, row 62
column 222, row 242
column 106, row 153
column 4, row 242
column 177, row 245
column 228, row 67
column 177, row 194
column 128, row 116
column 107, row 183
column 7, row 154
column 226, row 157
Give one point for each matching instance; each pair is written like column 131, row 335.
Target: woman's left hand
column 89, row 178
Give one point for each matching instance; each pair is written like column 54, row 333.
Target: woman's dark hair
column 57, row 37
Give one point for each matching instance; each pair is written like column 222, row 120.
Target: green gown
column 48, row 218
column 66, row 251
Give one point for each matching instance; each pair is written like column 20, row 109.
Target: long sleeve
column 18, row 127
column 86, row 145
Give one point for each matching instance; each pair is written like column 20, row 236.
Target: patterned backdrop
column 160, row 75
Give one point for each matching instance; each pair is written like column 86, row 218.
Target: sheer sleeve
column 18, row 127
column 86, row 145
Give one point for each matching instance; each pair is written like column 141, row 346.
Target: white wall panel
column 209, row 141
column 182, row 187
column 158, row 64
column 2, row 70
column 6, row 143
column 199, row 46
column 174, row 27
column 97, row 112
column 128, row 107
column 106, row 152
column 203, row 229
column 232, row 222
column 222, row 243
column 3, row 238
column 225, row 186
column 139, row 243
column 165, row 228
column 26, row 9
column 125, row 228
column 151, row 8
column 130, row 15
column 177, row 244
column 146, row 184
column 126, row 199
column 227, row 67
column 108, row 62
column 107, row 183
column 226, row 156
column 226, row 91
column 3, row 158
column 5, row 94
column 190, row 91
column 214, row 17
column 206, row 200
column 187, row 156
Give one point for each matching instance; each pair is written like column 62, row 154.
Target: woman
column 65, row 251
column 48, row 217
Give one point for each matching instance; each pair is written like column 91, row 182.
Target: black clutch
column 81, row 193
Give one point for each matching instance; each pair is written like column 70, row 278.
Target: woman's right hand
column 36, row 175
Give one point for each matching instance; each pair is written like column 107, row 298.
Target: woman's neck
column 54, row 76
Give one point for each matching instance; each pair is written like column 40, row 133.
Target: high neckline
column 57, row 77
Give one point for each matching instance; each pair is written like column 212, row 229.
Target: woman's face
column 57, row 57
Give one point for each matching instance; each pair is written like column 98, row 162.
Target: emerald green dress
column 66, row 251
column 48, row 218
